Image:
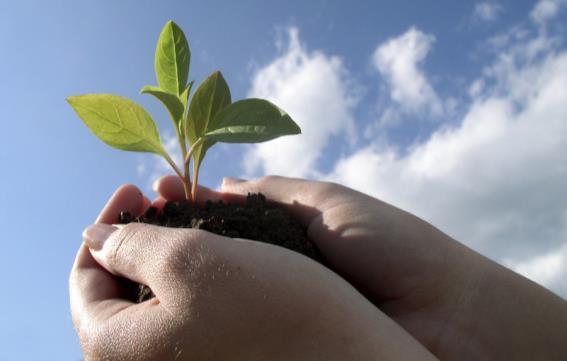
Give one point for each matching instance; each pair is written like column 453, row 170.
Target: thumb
column 147, row 254
column 305, row 199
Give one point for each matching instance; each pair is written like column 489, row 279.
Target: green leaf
column 172, row 59
column 171, row 102
column 250, row 121
column 119, row 122
column 184, row 97
column 210, row 98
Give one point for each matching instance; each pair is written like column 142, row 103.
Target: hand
column 458, row 304
column 218, row 299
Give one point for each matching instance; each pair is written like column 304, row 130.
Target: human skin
column 457, row 303
column 218, row 298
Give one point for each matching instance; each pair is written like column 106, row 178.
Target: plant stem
column 194, row 146
column 192, row 149
column 187, row 189
column 182, row 145
column 195, row 181
column 186, row 182
column 181, row 141
column 186, row 185
column 186, row 177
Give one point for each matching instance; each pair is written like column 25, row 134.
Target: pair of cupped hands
column 403, row 290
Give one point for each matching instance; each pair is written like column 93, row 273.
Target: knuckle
column 183, row 251
column 132, row 229
column 328, row 195
column 172, row 257
column 267, row 180
column 326, row 189
column 120, row 242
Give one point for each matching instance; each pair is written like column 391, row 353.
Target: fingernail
column 96, row 234
column 230, row 180
column 155, row 185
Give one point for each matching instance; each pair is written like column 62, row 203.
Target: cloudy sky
column 455, row 111
column 488, row 162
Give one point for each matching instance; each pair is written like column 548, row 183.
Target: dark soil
column 256, row 219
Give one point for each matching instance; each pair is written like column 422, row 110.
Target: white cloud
column 495, row 181
column 476, row 88
column 313, row 88
column 545, row 10
column 398, row 61
column 487, row 11
column 502, row 41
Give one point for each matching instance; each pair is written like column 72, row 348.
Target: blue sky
column 456, row 111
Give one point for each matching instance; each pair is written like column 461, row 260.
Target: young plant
column 209, row 117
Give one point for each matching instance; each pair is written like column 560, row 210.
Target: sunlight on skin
column 245, row 326
column 459, row 304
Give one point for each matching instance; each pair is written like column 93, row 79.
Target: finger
column 304, row 199
column 146, row 203
column 379, row 248
column 94, row 293
column 143, row 253
column 159, row 202
column 89, row 283
column 127, row 198
column 170, row 187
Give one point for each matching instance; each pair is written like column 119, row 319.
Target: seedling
column 210, row 117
